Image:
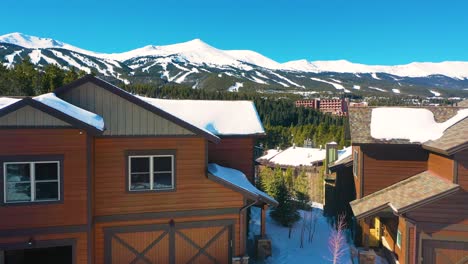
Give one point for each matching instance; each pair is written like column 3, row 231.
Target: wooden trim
column 133, row 99
column 51, row 111
column 161, row 215
column 43, row 230
column 423, row 236
column 89, row 189
column 155, row 152
column 31, row 158
column 43, row 244
column 455, row 171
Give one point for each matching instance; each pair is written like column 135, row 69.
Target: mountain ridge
column 203, row 52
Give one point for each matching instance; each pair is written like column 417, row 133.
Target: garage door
column 445, row 252
column 175, row 243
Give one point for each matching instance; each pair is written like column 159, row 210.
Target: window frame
column 26, row 159
column 150, row 154
column 356, row 163
column 399, row 238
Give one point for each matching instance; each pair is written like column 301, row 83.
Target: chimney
column 331, row 154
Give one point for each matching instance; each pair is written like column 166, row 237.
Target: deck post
column 263, row 221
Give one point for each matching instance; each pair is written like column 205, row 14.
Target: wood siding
column 385, row 165
column 30, row 117
column 236, row 153
column 80, row 246
column 435, row 252
column 462, row 169
column 70, row 143
column 193, row 189
column 121, row 117
column 440, row 165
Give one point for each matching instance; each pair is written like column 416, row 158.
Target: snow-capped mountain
column 200, row 65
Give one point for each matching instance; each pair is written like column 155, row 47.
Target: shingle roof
column 463, row 103
column 404, row 195
column 360, row 122
column 345, row 161
column 454, row 138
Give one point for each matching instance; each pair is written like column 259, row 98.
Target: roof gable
column 124, row 113
column 29, row 112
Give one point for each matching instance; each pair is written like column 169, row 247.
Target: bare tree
column 337, row 240
column 312, row 224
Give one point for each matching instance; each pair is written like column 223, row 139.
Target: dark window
column 31, row 181
column 155, row 172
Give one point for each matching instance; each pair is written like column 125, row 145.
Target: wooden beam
column 263, row 221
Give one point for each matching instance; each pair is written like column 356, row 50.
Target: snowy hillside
column 200, row 65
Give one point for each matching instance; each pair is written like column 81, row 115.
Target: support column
column 263, row 221
column 365, row 232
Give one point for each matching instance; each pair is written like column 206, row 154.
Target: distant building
column 360, row 104
column 337, row 107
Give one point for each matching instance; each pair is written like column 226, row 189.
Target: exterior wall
column 401, row 252
column 440, row 165
column 462, row 169
column 30, row 117
column 121, row 116
column 71, row 143
column 80, row 242
column 236, row 153
column 385, row 165
column 193, row 189
column 99, row 231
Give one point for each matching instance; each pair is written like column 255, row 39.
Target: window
column 151, row 172
column 398, row 239
column 31, row 181
column 355, row 163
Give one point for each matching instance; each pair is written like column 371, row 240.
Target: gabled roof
column 237, row 181
column 57, row 108
column 222, row 118
column 208, row 118
column 405, row 195
column 454, row 139
column 361, row 118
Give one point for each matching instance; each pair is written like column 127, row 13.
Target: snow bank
column 6, row 101
column 87, row 117
column 287, row 251
column 217, row 117
column 415, row 125
column 238, row 179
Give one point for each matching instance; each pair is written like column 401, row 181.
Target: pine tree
column 285, row 213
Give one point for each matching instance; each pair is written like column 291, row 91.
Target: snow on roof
column 270, row 154
column 87, row 117
column 415, row 125
column 217, row 117
column 6, row 101
column 297, row 156
column 344, row 153
column 239, row 180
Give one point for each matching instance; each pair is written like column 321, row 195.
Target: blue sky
column 365, row 31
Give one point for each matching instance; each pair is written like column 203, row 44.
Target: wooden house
column 94, row 174
column 410, row 168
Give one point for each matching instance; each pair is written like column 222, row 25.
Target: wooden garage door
column 445, row 252
column 174, row 243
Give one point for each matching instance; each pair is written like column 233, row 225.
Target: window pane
column 140, row 164
column 162, row 164
column 18, row 192
column 46, row 171
column 17, row 172
column 46, row 191
column 162, row 181
column 140, row 181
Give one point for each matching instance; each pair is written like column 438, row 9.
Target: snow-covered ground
column 287, row 251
